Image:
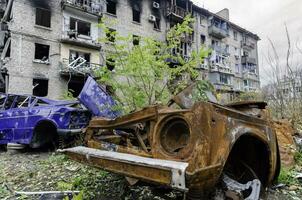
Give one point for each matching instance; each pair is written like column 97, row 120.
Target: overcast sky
column 266, row 18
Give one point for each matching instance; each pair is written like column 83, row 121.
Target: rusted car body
column 186, row 148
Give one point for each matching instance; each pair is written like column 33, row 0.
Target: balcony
column 74, row 38
column 90, row 6
column 246, row 59
column 218, row 32
column 177, row 12
column 77, row 67
column 221, row 69
column 248, row 75
column 247, row 44
column 221, row 50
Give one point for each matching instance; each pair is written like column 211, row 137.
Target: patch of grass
column 298, row 158
column 96, row 184
column 286, row 176
column 4, row 192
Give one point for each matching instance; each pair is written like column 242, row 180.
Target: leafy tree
column 142, row 75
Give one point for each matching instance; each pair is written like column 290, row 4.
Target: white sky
column 266, row 18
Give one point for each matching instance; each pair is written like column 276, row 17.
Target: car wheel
column 45, row 135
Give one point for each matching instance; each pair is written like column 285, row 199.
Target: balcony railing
column 177, row 11
column 220, row 49
column 247, row 44
column 78, row 66
column 90, row 6
column 218, row 32
column 246, row 59
column 221, row 68
column 250, row 75
column 72, row 37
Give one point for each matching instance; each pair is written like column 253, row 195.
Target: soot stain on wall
column 41, row 3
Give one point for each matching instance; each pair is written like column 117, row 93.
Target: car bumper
column 69, row 132
column 165, row 172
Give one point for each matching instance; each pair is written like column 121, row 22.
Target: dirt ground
column 48, row 171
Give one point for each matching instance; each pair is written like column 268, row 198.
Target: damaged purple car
column 36, row 121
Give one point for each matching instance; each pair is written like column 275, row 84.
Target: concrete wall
column 24, row 34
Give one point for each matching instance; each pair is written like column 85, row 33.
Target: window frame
column 76, row 26
column 115, row 7
column 44, row 14
column 36, row 51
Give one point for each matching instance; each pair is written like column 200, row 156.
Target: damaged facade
column 47, row 40
column 58, row 44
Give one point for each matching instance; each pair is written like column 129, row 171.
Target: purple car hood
column 97, row 100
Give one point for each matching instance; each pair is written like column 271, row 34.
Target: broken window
column 73, row 55
column 157, row 23
column 80, row 27
column 245, row 82
column 110, row 63
column 111, row 35
column 136, row 15
column 40, row 87
column 135, row 39
column 111, row 7
column 41, row 52
column 202, row 39
column 75, row 85
column 224, row 79
column 235, row 35
column 43, row 17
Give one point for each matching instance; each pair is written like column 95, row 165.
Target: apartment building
column 48, row 47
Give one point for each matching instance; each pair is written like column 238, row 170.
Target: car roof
column 47, row 100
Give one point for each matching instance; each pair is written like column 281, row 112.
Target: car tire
column 45, row 134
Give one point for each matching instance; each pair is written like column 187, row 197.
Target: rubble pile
column 287, row 146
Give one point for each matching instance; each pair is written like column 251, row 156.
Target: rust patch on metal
column 205, row 135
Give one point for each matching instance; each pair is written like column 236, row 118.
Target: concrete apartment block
column 43, row 41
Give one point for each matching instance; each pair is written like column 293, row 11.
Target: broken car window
column 21, row 102
column 2, row 101
column 40, row 102
column 9, row 102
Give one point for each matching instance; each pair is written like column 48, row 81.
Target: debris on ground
column 46, row 171
column 287, row 146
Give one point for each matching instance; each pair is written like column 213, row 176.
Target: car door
column 19, row 119
column 97, row 100
column 2, row 119
column 6, row 125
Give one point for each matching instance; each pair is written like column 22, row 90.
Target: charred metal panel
column 202, row 136
column 155, row 170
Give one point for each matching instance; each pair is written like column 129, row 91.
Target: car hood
column 97, row 100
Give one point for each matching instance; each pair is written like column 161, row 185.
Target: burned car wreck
column 36, row 121
column 191, row 148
